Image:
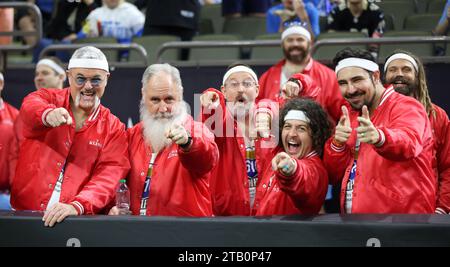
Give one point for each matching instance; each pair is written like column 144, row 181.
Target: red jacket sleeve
column 309, row 88
column 336, row 161
column 113, row 165
column 203, row 154
column 34, row 107
column 307, row 187
column 442, row 131
column 404, row 136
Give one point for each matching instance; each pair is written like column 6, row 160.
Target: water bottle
column 123, row 198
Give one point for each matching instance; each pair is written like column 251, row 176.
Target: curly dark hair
column 349, row 52
column 319, row 124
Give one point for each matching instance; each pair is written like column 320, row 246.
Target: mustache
column 353, row 95
column 399, row 79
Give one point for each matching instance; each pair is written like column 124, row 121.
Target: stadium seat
column 327, row 52
column 210, row 54
column 110, row 54
column 213, row 13
column 419, row 49
column 399, row 10
column 247, row 27
column 270, row 53
column 421, row 22
column 436, row 6
column 151, row 43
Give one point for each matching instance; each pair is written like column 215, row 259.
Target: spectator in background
column 82, row 146
column 296, row 180
column 27, row 22
column 176, row 152
column 172, row 17
column 8, row 115
column 357, row 15
column 382, row 148
column 442, row 27
column 49, row 73
column 231, row 114
column 115, row 18
column 59, row 28
column 239, row 8
column 405, row 72
column 296, row 44
column 293, row 10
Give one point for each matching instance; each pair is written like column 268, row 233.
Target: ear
column 223, row 89
column 376, row 76
column 257, row 90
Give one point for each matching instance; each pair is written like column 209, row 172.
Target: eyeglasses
column 235, row 85
column 81, row 81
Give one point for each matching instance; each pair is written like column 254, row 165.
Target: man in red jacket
column 49, row 73
column 406, row 73
column 171, row 155
column 233, row 117
column 75, row 150
column 296, row 181
column 8, row 115
column 296, row 45
column 382, row 147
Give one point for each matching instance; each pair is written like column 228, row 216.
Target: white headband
column 296, row 115
column 296, row 30
column 240, row 69
column 89, row 63
column 401, row 56
column 357, row 62
column 51, row 64
column 1, row 77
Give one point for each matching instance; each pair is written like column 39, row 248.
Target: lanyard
column 57, row 190
column 146, row 191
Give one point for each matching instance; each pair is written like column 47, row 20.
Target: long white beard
column 155, row 126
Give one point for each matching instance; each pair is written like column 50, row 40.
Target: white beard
column 155, row 126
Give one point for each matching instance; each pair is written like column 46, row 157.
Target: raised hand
column 57, row 117
column 178, row 134
column 343, row 128
column 210, row 100
column 291, row 90
column 283, row 163
column 367, row 133
column 263, row 121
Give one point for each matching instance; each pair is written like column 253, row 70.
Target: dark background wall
column 123, row 91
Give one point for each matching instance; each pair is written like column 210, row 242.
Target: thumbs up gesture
column 283, row 163
column 209, row 100
column 367, row 133
column 343, row 128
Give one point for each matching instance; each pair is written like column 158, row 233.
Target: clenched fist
column 210, row 100
column 290, row 90
column 283, row 163
column 262, row 122
column 178, row 135
column 57, row 117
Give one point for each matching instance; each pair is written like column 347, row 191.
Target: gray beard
column 155, row 126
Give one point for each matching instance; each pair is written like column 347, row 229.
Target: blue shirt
column 273, row 21
column 444, row 13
